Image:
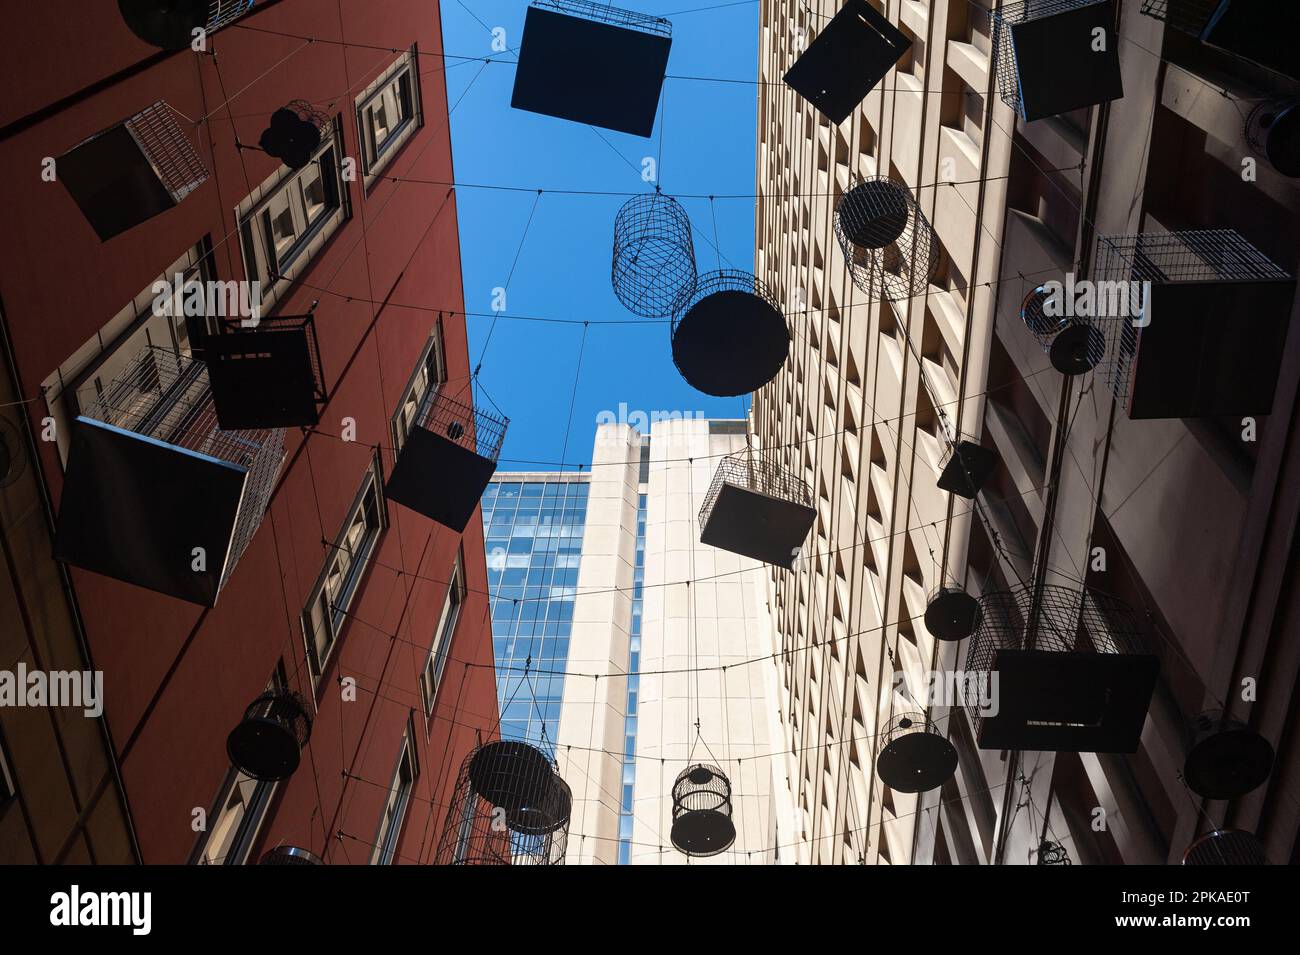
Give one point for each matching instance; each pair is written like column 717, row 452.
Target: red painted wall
column 177, row 677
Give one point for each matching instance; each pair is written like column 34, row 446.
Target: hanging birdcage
column 267, row 744
column 448, row 458
column 654, row 255
column 885, row 238
column 1273, row 133
column 1226, row 758
column 1052, row 853
column 1058, row 669
column 914, row 756
column 1209, row 335
column 729, row 335
column 951, row 614
column 1055, row 56
column 1226, row 847
column 592, row 63
column 510, row 807
column 1073, row 345
column 295, row 132
column 702, row 824
column 1261, row 32
column 757, row 508
column 174, row 24
column 964, row 468
column 289, row 855
column 267, row 375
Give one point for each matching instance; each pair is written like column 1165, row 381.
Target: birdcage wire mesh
column 885, row 238
column 1131, row 261
column 169, row 151
column 1074, row 343
column 723, row 280
column 275, row 728
column 702, row 824
column 222, row 13
column 758, row 472
column 654, row 255
column 286, row 323
column 1226, row 847
column 1190, row 16
column 476, row 430
column 1052, row 853
column 1004, row 47
column 1065, row 620
column 907, row 724
column 606, row 13
column 289, row 855
column 509, row 807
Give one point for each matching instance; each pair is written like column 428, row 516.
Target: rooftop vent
column 1062, row 670
column 1227, row 758
column 447, row 460
column 155, row 493
column 266, row 376
column 294, row 133
column 1073, row 345
column 1264, row 33
column 132, row 171
column 915, row 757
column 1209, row 340
column 510, row 807
column 848, row 58
column 1054, row 56
column 1226, row 847
column 267, row 744
column 885, row 238
column 702, row 823
column 171, row 24
column 1273, row 132
column 654, row 255
column 289, row 855
column 729, row 335
column 966, row 465
column 592, row 63
column 951, row 614
column 757, row 508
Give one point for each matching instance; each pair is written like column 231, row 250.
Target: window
column 287, row 219
column 388, row 114
column 442, row 636
column 430, row 372
column 326, row 611
column 399, row 796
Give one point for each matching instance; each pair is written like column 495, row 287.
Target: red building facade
column 376, row 615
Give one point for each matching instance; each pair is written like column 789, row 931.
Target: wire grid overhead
column 606, row 13
column 758, row 472
column 169, row 151
column 654, row 255
column 885, row 238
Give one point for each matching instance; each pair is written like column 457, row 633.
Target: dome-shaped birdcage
column 729, row 335
column 267, row 744
column 702, row 823
column 294, row 133
column 1226, row 847
column 654, row 255
column 1273, row 133
column 951, row 614
column 914, row 756
column 1226, row 758
column 289, row 855
column 510, row 807
column 1073, row 345
column 886, row 238
column 1052, row 853
column 1058, row 669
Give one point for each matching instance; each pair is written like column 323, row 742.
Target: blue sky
column 563, row 268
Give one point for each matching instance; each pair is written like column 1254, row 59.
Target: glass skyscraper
column 533, row 525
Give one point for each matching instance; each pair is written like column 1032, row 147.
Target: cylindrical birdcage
column 654, row 255
column 1226, row 758
column 510, row 807
column 295, row 132
column 702, row 824
column 1052, row 853
column 267, row 744
column 1226, row 847
column 951, row 613
column 1273, row 132
column 1073, row 344
column 914, row 756
column 289, row 855
column 729, row 334
column 885, row 238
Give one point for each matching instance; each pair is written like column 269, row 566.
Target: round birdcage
column 885, row 237
column 1073, row 345
column 951, row 614
column 1273, row 132
column 702, row 824
column 729, row 335
column 1226, row 758
column 510, row 807
column 294, row 133
column 914, row 756
column 289, row 855
column 1052, row 853
column 166, row 24
column 1226, row 847
column 654, row 255
column 267, row 744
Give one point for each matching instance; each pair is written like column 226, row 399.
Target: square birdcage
column 1263, row 33
column 592, row 63
column 1054, row 56
column 155, row 493
column 132, row 171
column 1058, row 669
column 850, row 55
column 448, row 458
column 1209, row 337
column 757, row 508
column 966, row 465
column 268, row 375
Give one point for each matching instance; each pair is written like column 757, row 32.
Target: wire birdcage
column 885, row 238
column 267, row 743
column 1226, row 847
column 1058, row 668
column 1273, row 133
column 1052, row 853
column 951, row 614
column 1225, row 757
column 607, row 13
column 289, row 855
column 757, row 508
column 509, row 807
column 171, row 24
column 654, row 255
column 965, row 466
column 1190, row 16
column 266, row 375
column 295, row 132
column 1073, row 344
column 169, row 151
column 915, row 757
column 729, row 336
column 702, row 824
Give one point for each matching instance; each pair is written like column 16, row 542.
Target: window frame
column 393, row 816
column 375, row 156
column 444, row 635
column 433, row 359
